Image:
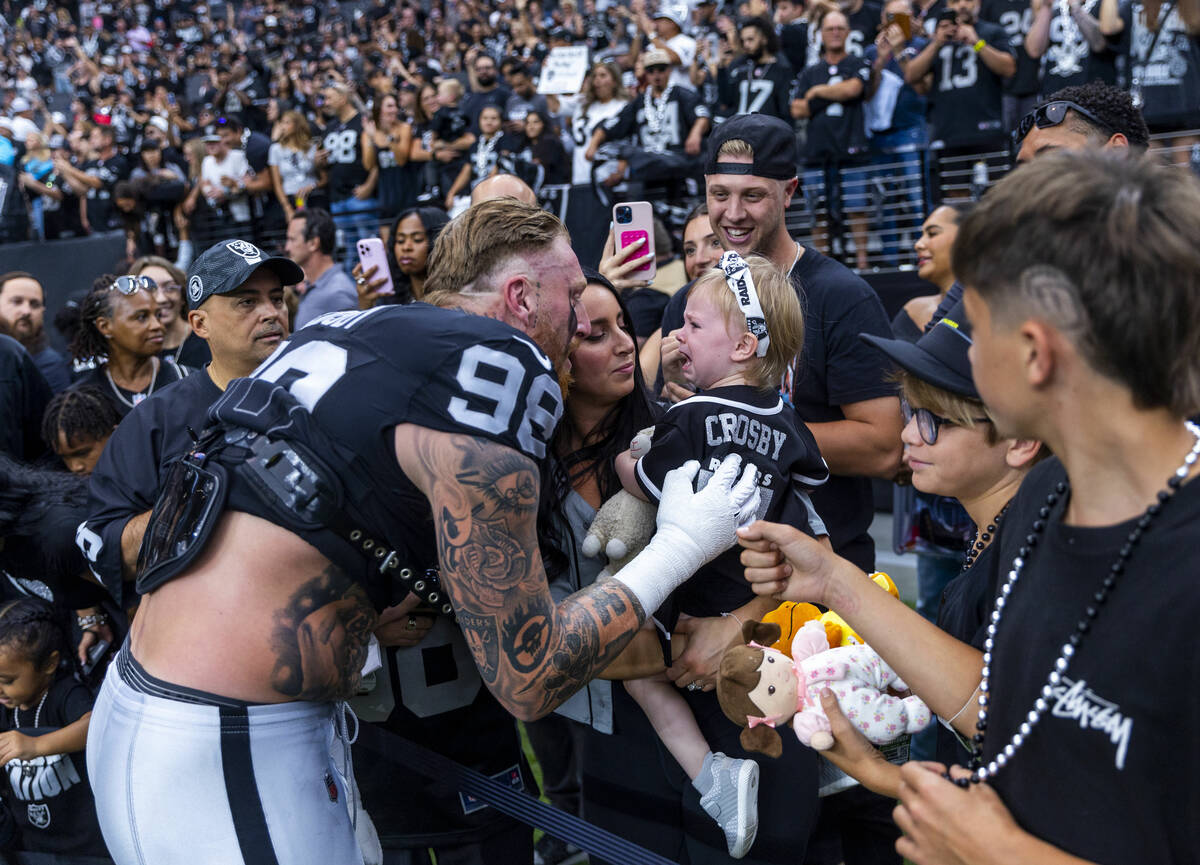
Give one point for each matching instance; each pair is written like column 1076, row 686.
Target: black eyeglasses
column 128, row 285
column 928, row 423
column 1052, row 114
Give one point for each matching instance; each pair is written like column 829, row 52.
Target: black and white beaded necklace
column 983, row 537
column 978, row 771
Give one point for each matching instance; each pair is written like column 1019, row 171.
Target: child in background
column 483, row 158
column 45, row 716
column 451, row 136
column 743, row 324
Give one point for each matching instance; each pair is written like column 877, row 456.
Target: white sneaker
column 732, row 801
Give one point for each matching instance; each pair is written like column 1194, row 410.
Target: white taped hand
column 693, row 528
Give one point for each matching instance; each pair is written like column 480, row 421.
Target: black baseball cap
column 939, row 357
column 226, row 266
column 773, row 142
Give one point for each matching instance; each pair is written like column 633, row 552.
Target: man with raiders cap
column 838, row 385
column 234, row 295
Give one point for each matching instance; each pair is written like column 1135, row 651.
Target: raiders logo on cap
column 247, row 250
column 195, row 289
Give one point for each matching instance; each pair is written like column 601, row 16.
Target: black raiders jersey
column 343, row 142
column 342, row 383
column 761, row 428
column 966, row 95
column 758, row 88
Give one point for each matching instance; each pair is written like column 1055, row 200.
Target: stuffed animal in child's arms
column 624, row 524
column 759, row 688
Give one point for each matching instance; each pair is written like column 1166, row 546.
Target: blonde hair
column 959, row 410
column 473, row 246
column 781, row 307
column 736, row 147
column 450, row 85
column 620, row 91
column 300, row 137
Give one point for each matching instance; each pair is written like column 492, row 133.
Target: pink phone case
column 371, row 252
column 630, row 237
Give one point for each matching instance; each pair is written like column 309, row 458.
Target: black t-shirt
column 343, row 382
column 343, row 141
column 758, row 88
column 835, row 368
column 678, row 111
column 1016, row 17
column 1069, row 60
column 449, row 123
column 50, row 797
column 760, row 427
column 124, row 401
column 794, row 43
column 126, row 479
column 100, row 209
column 1169, row 79
column 965, row 98
column 474, row 103
column 835, row 129
column 1109, row 772
column 23, row 397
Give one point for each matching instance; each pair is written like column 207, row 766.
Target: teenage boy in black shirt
column 1082, row 757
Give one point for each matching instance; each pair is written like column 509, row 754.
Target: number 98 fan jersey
column 341, row 384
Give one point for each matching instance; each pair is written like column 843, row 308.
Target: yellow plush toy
column 791, row 616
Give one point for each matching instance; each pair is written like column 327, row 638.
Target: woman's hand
column 854, row 755
column 947, row 825
column 616, row 266
column 367, row 285
column 784, row 562
column 675, row 387
column 707, row 640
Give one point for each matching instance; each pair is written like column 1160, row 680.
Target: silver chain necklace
column 483, row 154
column 656, row 110
column 979, row 772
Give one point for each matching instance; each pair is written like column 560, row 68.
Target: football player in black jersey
column 411, row 428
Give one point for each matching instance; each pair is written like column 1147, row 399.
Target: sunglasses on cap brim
column 128, row 285
column 1053, row 114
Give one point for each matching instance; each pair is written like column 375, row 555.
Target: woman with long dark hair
column 408, row 245
column 120, row 331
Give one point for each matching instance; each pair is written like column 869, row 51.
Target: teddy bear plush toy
column 624, row 524
column 759, row 688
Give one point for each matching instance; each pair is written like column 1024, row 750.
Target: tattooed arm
column 531, row 654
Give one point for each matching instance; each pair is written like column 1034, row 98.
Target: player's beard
column 551, row 342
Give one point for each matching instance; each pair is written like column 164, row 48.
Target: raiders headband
column 737, row 277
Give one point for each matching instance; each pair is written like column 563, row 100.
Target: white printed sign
column 564, row 69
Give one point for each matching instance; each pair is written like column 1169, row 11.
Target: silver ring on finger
column 360, row 280
column 694, row 686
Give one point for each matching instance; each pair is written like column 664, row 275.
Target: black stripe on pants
column 249, row 820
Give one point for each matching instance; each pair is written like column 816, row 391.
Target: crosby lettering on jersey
column 751, row 433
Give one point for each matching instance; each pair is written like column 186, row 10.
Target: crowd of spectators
column 176, row 121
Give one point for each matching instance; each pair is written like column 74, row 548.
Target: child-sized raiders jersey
column 765, row 431
column 341, row 384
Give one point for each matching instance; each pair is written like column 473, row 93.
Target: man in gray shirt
column 311, row 236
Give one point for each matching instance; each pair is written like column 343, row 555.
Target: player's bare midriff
column 262, row 617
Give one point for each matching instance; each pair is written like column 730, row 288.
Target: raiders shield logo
column 195, row 289
column 39, row 815
column 247, row 250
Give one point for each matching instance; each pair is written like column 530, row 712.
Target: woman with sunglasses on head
column 179, row 343
column 120, row 330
